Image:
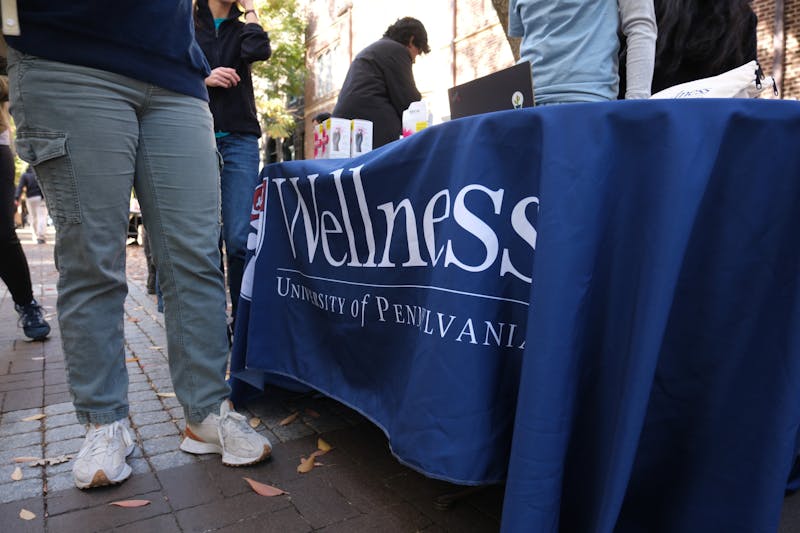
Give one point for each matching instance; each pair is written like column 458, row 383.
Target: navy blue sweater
column 28, row 182
column 148, row 40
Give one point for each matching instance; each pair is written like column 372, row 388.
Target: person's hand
column 246, row 4
column 225, row 77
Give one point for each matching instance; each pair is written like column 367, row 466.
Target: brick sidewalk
column 360, row 486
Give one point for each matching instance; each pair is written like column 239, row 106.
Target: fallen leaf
column 26, row 459
column 132, row 360
column 50, row 460
column 264, row 489
column 26, row 515
column 16, row 475
column 289, row 419
column 254, row 422
column 134, row 320
column 324, row 446
column 312, row 413
column 130, row 503
column 306, row 465
column 33, row 417
column 166, row 394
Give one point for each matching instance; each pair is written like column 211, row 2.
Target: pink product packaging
column 320, row 141
column 360, row 137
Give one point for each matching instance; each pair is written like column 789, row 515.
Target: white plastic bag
column 746, row 81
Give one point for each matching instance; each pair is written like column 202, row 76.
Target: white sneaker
column 227, row 434
column 101, row 460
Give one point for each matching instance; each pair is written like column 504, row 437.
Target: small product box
column 360, row 137
column 336, row 134
column 415, row 118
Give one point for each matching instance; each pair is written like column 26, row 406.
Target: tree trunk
column 265, row 148
column 279, row 149
column 501, row 7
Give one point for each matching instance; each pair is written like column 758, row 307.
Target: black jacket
column 697, row 67
column 235, row 45
column 379, row 86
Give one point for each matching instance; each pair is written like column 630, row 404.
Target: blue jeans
column 239, row 180
column 93, row 135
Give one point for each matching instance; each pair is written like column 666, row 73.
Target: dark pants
column 13, row 265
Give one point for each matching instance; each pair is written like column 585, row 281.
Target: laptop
column 510, row 88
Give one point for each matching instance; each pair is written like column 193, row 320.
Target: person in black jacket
column 380, row 83
column 231, row 46
column 699, row 39
column 35, row 202
column 702, row 38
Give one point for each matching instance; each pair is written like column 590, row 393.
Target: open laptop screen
column 510, row 88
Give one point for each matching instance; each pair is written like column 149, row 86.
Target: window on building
column 328, row 72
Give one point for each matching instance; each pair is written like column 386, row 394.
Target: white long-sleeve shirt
column 638, row 24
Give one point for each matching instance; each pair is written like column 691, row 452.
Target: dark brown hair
column 406, row 28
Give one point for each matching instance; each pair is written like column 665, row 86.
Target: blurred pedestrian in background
column 319, row 118
column 13, row 263
column 37, row 209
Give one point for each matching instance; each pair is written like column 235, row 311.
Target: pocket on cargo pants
column 48, row 153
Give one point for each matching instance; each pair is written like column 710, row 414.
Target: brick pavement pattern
column 359, row 487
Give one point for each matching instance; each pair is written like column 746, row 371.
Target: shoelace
column 99, row 436
column 234, row 422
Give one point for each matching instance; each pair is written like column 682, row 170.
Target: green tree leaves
column 280, row 82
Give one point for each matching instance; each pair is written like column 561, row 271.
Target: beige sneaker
column 229, row 435
column 101, row 460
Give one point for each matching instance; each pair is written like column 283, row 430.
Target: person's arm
column 255, row 41
column 399, row 77
column 638, row 24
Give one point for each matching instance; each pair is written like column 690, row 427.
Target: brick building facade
column 779, row 51
column 467, row 41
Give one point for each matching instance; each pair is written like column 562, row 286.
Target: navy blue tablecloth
column 596, row 302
